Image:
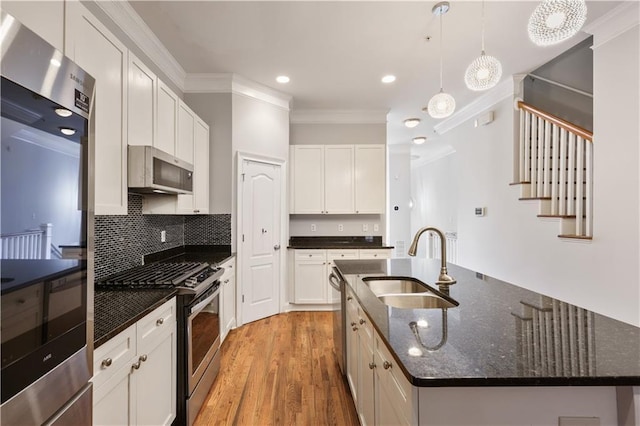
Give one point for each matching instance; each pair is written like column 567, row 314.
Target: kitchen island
column 519, row 346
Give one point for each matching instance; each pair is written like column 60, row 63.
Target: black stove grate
column 154, row 275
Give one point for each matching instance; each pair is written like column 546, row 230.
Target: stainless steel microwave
column 152, row 171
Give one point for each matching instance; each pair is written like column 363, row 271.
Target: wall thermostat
column 480, row 211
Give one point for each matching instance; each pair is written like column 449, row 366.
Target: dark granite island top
column 499, row 335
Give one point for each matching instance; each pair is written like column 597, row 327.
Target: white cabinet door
column 310, row 277
column 227, row 299
column 103, row 56
column 184, row 151
column 167, row 125
column 353, row 352
column 375, row 254
column 111, row 400
column 370, row 177
column 201, row 167
column 45, row 18
column 338, row 179
column 308, row 179
column 366, row 401
column 141, row 122
column 155, row 383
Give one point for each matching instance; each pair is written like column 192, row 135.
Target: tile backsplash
column 121, row 241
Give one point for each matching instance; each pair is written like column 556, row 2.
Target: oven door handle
column 334, row 281
column 200, row 305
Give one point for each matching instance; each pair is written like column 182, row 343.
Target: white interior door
column 261, row 209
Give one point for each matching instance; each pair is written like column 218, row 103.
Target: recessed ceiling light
column 419, row 140
column 67, row 131
column 411, row 122
column 63, row 112
column 282, row 79
column 388, row 79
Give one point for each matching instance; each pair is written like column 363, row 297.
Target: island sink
column 407, row 293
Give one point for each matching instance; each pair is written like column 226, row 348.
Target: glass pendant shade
column 554, row 21
column 483, row 73
column 441, row 105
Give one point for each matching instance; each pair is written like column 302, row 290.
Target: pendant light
column 442, row 104
column 485, row 71
column 554, row 21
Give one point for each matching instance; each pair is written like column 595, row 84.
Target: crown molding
column 489, row 99
column 125, row 17
column 613, row 23
column 338, row 116
column 234, row 83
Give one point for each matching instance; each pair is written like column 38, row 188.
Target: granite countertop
column 116, row 310
column 337, row 243
column 499, row 335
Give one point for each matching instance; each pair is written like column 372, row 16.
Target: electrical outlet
column 340, row 227
column 376, row 227
column 163, row 236
column 313, row 227
column 365, row 227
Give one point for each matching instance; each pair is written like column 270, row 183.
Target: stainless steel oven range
column 198, row 324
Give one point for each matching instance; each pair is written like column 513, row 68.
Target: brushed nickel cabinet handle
column 386, row 365
column 143, row 358
column 159, row 322
column 353, row 323
column 106, row 363
column 355, row 328
column 362, row 321
column 349, row 297
column 136, row 366
column 372, row 365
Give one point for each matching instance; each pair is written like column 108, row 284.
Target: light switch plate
column 313, row 227
column 340, row 227
column 365, row 227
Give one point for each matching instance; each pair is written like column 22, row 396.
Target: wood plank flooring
column 280, row 370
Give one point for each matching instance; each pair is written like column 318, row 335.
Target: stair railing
column 556, row 160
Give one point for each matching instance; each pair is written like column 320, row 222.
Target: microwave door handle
column 200, row 305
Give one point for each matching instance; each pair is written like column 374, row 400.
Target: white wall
column 300, row 225
column 511, row 244
column 399, row 194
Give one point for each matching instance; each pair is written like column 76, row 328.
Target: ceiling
column 336, row 52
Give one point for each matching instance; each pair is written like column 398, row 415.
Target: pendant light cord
column 482, row 23
column 441, row 51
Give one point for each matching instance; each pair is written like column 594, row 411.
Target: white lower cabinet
column 312, row 268
column 227, row 298
column 381, row 393
column 135, row 372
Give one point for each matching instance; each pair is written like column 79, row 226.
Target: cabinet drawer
column 229, row 269
column 156, row 324
column 398, row 387
column 310, row 255
column 341, row 255
column 113, row 355
column 375, row 254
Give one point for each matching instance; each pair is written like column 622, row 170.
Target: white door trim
column 284, row 226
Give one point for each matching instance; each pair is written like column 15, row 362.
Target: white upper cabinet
column 307, row 179
column 201, row 167
column 141, row 122
column 186, row 121
column 370, row 178
column 167, row 111
column 101, row 54
column 45, row 18
column 338, row 179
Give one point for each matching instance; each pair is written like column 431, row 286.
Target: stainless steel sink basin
column 416, row 301
column 391, row 285
column 407, row 293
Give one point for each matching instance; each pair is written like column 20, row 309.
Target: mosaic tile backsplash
column 121, row 241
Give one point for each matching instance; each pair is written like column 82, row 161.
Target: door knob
column 276, row 247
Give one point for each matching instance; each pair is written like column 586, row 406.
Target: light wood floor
column 281, row 370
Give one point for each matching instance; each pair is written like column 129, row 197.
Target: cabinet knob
column 143, row 358
column 349, row 297
column 136, row 366
column 196, row 211
column 106, row 363
column 226, row 281
column 362, row 321
column 372, row 365
column 353, row 323
column 375, row 255
column 159, row 322
column 386, row 365
column 355, row 328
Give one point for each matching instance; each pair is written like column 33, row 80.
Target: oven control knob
column 191, row 282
